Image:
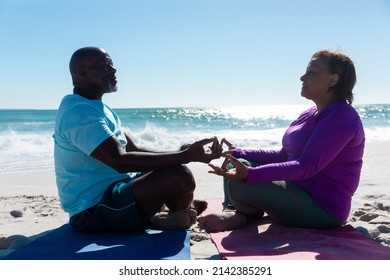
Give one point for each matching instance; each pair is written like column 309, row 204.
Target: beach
column 29, row 205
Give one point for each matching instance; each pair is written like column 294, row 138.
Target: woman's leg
column 227, row 204
column 286, row 203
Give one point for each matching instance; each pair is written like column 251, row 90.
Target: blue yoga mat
column 64, row 243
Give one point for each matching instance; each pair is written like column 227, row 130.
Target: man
column 95, row 161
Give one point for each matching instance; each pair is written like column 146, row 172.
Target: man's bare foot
column 178, row 220
column 199, row 206
column 13, row 241
column 222, row 221
column 5, row 242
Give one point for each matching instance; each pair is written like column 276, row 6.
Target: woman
column 310, row 181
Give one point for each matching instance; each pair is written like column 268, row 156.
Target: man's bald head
column 82, row 57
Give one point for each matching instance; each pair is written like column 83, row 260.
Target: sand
column 29, row 205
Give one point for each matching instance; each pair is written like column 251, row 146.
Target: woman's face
column 317, row 81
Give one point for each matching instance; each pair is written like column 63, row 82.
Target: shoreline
column 29, row 205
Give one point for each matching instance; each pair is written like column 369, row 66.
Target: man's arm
column 111, row 153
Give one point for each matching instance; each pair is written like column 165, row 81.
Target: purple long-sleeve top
column 321, row 153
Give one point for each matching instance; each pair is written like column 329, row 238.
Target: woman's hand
column 229, row 146
column 238, row 173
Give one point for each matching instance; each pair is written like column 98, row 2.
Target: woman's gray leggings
column 286, row 203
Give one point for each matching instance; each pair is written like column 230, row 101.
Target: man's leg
column 173, row 187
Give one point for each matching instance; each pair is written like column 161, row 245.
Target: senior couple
column 108, row 183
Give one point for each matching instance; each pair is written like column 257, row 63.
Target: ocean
column 26, row 142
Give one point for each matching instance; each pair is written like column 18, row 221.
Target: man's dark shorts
column 116, row 211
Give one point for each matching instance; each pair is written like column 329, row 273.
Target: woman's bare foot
column 178, row 220
column 222, row 221
column 199, row 206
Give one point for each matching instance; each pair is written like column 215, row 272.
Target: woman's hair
column 342, row 65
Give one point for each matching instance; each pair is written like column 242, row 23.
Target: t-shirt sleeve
column 85, row 127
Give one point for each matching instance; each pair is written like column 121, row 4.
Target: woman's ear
column 334, row 79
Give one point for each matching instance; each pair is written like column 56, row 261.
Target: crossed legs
column 173, row 187
column 286, row 203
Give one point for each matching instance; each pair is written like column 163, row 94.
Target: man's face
column 101, row 73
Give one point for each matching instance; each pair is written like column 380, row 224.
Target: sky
column 186, row 53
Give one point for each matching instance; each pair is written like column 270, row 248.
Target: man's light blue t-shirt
column 81, row 126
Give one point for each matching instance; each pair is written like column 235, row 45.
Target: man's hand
column 238, row 173
column 199, row 153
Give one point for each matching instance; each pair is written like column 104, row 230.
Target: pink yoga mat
column 264, row 239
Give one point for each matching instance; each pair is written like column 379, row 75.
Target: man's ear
column 334, row 79
column 81, row 72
